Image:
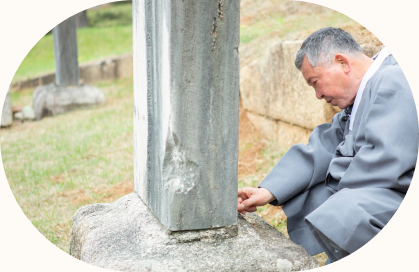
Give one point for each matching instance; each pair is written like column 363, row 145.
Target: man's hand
column 249, row 198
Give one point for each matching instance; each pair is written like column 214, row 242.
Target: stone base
column 51, row 99
column 125, row 236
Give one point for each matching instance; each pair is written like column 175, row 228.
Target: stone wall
column 90, row 72
column 278, row 100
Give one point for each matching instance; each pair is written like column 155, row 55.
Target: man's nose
column 319, row 95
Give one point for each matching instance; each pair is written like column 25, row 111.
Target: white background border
column 24, row 22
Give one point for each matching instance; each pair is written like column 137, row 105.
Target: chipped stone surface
column 186, row 100
column 51, row 99
column 125, row 236
column 179, row 172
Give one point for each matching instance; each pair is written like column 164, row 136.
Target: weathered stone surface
column 91, row 72
column 108, row 69
column 47, row 79
column 6, row 114
column 65, row 53
column 285, row 135
column 29, row 83
column 99, row 70
column 81, row 19
column 186, row 99
column 125, row 236
column 273, row 87
column 52, row 99
column 124, row 66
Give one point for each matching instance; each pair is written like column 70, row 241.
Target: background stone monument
column 67, row 94
column 65, row 53
column 183, row 213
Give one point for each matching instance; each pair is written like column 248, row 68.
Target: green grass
column 279, row 25
column 116, row 14
column 109, row 33
column 58, row 164
column 102, row 42
column 93, row 43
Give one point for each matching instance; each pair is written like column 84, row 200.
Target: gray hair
column 322, row 46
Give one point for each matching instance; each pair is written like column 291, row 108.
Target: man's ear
column 344, row 62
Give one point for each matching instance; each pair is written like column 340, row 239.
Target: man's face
column 330, row 84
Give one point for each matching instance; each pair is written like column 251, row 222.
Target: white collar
column 378, row 60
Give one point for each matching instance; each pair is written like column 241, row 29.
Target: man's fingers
column 241, row 208
column 243, row 195
column 250, row 202
column 247, row 200
column 251, row 209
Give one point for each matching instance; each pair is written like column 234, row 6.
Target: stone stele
column 65, row 52
column 126, row 236
column 186, row 110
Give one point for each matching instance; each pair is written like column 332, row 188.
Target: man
column 342, row 188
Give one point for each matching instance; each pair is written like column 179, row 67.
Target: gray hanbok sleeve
column 304, row 166
column 386, row 145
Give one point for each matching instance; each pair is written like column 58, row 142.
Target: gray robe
column 341, row 189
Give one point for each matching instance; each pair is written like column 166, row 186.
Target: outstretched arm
column 304, row 166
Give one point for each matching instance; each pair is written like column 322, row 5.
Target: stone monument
column 183, row 213
column 65, row 53
column 67, row 94
column 186, row 98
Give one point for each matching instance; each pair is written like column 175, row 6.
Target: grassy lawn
column 58, row 164
column 109, row 33
column 280, row 25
